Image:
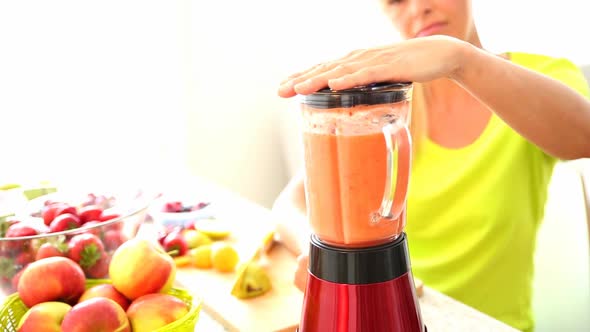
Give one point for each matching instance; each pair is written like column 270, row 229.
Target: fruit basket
column 13, row 309
column 86, row 227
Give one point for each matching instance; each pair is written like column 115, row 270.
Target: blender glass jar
column 357, row 162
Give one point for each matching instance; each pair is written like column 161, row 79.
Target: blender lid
column 372, row 94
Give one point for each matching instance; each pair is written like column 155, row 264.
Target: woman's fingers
column 301, row 273
column 319, row 72
column 320, row 80
column 364, row 76
column 287, row 88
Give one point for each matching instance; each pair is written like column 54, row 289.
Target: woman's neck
column 446, row 93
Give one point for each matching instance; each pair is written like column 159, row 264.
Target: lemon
column 224, row 257
column 202, row 256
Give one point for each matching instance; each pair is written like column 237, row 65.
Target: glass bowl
column 120, row 218
column 171, row 211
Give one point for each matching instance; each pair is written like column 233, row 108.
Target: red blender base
column 360, row 290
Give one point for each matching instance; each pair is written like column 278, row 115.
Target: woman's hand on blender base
column 301, row 273
column 415, row 60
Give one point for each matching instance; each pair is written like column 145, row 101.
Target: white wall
column 90, row 89
column 154, row 87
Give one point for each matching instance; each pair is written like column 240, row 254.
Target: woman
column 488, row 130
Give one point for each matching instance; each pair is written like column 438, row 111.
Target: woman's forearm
column 289, row 213
column 543, row 110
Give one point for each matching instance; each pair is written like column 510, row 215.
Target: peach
column 46, row 316
column 139, row 267
column 51, row 279
column 108, row 291
column 98, row 314
column 153, row 311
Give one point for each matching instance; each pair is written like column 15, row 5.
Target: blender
column 357, row 164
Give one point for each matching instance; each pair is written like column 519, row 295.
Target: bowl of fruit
column 84, row 227
column 171, row 211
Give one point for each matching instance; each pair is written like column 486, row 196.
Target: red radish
column 113, row 239
column 175, row 242
column 21, row 229
column 89, row 213
column 65, row 208
column 51, row 250
column 86, row 250
column 24, row 258
column 100, row 269
column 107, row 217
column 64, row 222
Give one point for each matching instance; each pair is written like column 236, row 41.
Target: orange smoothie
column 346, row 168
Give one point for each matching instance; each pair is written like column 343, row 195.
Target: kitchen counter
column 439, row 312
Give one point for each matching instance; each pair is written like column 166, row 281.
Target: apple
column 108, row 291
column 16, row 278
column 139, row 267
column 153, row 311
column 51, row 279
column 97, row 314
column 46, row 317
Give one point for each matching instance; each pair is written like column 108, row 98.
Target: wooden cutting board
column 277, row 310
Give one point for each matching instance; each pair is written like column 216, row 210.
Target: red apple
column 98, row 314
column 16, row 278
column 153, row 311
column 139, row 267
column 46, row 317
column 108, row 291
column 51, row 279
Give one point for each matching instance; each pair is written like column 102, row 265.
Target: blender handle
column 399, row 146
